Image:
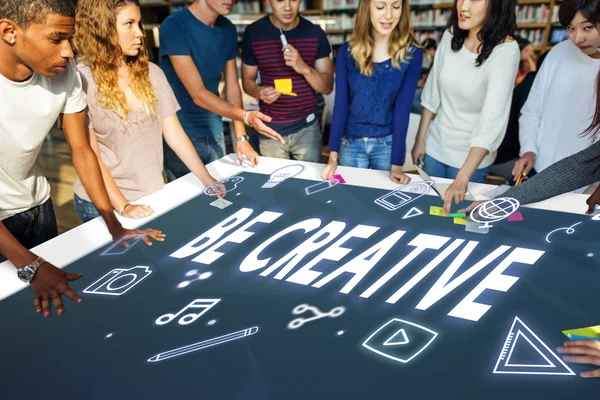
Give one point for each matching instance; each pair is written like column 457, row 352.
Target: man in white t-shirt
column 39, row 83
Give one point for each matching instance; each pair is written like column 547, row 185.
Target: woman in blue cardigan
column 376, row 78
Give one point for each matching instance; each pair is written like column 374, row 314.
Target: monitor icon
column 118, row 281
column 400, row 340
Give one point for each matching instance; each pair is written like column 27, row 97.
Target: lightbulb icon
column 282, row 174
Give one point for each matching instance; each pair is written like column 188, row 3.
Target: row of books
column 434, row 18
column 533, row 14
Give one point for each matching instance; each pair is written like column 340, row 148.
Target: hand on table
column 269, row 94
column 293, row 59
column 397, row 175
column 418, row 152
column 245, row 149
column 455, row 192
column 121, row 232
column 257, row 120
column 332, row 165
column 523, row 165
column 471, row 206
column 593, row 201
column 49, row 284
column 583, row 352
column 137, row 211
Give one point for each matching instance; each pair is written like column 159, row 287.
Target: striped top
column 262, row 47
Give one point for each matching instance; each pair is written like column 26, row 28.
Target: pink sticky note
column 339, row 178
column 514, row 217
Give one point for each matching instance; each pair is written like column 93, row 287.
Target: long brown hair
column 97, row 43
column 362, row 42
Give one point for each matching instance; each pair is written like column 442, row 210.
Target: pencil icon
column 204, row 344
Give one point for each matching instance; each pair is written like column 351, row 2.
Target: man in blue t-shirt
column 197, row 46
column 305, row 61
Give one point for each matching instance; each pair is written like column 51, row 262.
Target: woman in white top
column 468, row 92
column 560, row 105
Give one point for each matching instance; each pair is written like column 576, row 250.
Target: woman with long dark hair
column 468, row 91
column 570, row 173
column 549, row 126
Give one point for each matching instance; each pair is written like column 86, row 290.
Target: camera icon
column 118, row 281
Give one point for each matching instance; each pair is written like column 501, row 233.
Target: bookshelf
column 536, row 19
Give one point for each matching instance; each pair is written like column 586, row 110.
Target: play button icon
column 400, row 340
column 397, row 339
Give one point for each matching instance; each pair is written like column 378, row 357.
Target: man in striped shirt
column 305, row 60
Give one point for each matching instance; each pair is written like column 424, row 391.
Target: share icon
column 318, row 314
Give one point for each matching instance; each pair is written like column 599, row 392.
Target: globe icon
column 494, row 211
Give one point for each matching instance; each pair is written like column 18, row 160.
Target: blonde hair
column 362, row 41
column 97, row 44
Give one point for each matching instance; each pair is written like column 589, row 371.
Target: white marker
column 284, row 41
column 204, row 344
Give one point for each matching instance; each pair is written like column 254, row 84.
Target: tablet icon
column 118, row 281
column 404, row 195
column 400, row 340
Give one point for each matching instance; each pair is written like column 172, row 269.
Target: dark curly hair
column 26, row 12
column 500, row 22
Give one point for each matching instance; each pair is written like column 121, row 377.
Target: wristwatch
column 244, row 138
column 27, row 273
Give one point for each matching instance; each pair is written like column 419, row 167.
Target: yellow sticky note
column 284, row 86
column 591, row 332
column 437, row 211
column 460, row 221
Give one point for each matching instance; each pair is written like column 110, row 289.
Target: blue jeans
column 208, row 148
column 34, row 226
column 86, row 209
column 373, row 153
column 304, row 145
column 435, row 168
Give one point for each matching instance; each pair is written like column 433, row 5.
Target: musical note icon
column 202, row 304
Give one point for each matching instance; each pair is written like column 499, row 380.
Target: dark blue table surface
column 100, row 349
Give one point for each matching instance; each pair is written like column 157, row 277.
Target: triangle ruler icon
column 546, row 361
column 413, row 212
column 397, row 338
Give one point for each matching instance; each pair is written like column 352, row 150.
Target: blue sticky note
column 474, row 227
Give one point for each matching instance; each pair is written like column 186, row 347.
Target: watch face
column 25, row 274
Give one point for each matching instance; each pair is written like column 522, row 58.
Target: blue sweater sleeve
column 340, row 107
column 403, row 106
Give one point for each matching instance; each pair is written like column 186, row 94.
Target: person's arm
column 570, row 173
column 268, row 94
column 401, row 116
column 340, row 111
column 190, row 77
column 181, row 144
column 490, row 129
column 529, row 123
column 48, row 283
column 86, row 163
column 320, row 78
column 118, row 201
column 233, row 94
column 431, row 100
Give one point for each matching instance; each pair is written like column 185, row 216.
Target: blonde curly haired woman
column 131, row 108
